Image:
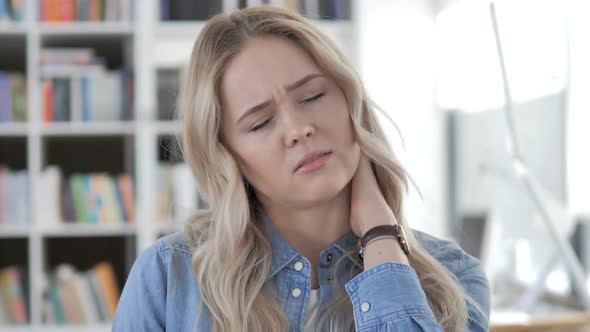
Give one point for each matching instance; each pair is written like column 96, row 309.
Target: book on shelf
column 327, row 9
column 252, row 3
column 75, row 83
column 68, row 56
column 294, row 5
column 80, row 297
column 11, row 10
column 85, row 10
column 313, row 9
column 14, row 196
column 177, row 193
column 95, row 198
column 168, row 84
column 13, row 97
column 13, row 298
column 189, row 10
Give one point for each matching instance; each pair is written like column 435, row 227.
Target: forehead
column 263, row 65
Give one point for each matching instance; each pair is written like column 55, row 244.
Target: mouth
column 313, row 161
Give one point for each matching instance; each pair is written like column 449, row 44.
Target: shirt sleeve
column 476, row 285
column 142, row 305
column 372, row 290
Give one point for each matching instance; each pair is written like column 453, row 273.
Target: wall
column 396, row 63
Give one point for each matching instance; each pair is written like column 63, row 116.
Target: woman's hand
column 368, row 207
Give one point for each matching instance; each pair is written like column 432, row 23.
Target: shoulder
column 467, row 270
column 174, row 243
column 161, row 250
column 447, row 252
column 156, row 272
column 154, row 262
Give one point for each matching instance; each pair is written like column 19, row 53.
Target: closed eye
column 262, row 124
column 305, row 101
column 314, row 98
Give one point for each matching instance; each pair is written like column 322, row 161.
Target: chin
column 322, row 192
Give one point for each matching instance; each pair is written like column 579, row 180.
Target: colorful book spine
column 73, row 297
column 57, row 306
column 48, row 104
column 14, row 196
column 12, row 293
column 79, row 198
column 3, row 195
column 4, row 11
column 74, row 10
column 108, row 284
column 5, row 98
column 125, row 185
column 81, row 99
column 18, row 86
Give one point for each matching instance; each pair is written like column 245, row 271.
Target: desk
column 563, row 322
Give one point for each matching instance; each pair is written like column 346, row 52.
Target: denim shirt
column 386, row 297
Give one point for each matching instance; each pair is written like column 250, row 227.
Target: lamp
column 476, row 80
column 542, row 199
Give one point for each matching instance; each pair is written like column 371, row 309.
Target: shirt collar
column 283, row 253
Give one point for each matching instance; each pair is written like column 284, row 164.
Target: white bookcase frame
column 150, row 39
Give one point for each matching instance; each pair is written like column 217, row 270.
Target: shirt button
column 329, row 257
column 366, row 306
column 296, row 292
column 298, row 266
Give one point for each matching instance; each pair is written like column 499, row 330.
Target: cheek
column 339, row 117
column 343, row 132
column 256, row 162
column 340, row 124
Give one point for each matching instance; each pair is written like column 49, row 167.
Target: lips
column 310, row 157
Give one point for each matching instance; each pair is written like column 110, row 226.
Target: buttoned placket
column 299, row 275
column 299, row 296
column 325, row 273
column 298, row 266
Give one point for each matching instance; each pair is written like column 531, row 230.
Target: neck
column 310, row 230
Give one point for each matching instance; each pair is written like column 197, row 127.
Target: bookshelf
column 142, row 146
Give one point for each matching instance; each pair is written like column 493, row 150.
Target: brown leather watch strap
column 394, row 230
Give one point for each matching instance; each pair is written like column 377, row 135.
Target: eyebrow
column 299, row 83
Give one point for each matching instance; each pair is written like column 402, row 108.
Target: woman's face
column 277, row 107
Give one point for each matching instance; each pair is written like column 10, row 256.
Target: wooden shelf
column 57, row 328
column 87, row 230
column 14, row 231
column 85, row 28
column 14, row 129
column 88, row 128
column 168, row 127
column 13, row 29
column 179, row 29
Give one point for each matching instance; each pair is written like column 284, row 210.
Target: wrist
column 365, row 228
column 395, row 232
column 382, row 251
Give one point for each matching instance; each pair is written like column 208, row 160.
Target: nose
column 298, row 127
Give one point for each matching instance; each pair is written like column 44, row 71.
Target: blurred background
column 491, row 104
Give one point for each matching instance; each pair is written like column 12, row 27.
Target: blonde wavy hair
column 231, row 255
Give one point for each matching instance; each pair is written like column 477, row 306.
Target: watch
column 397, row 231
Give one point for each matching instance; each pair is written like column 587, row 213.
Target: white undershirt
column 312, row 310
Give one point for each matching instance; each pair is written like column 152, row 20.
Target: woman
column 286, row 149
